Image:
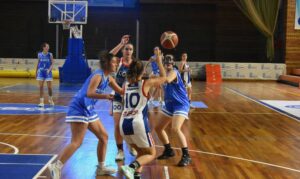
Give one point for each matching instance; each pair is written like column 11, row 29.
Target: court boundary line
column 45, row 167
column 291, row 116
column 49, row 136
column 238, row 158
column 30, row 94
column 41, row 135
column 22, row 163
column 28, row 154
column 34, row 114
column 166, row 172
column 36, row 88
column 9, row 86
column 196, row 151
column 16, row 150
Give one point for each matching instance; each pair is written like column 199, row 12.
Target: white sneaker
column 120, row 156
column 150, row 102
column 162, row 103
column 105, row 170
column 41, row 105
column 132, row 151
column 55, row 171
column 51, row 102
column 127, row 171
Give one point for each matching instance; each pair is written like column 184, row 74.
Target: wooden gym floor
column 235, row 137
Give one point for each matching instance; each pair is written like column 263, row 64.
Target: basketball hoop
column 66, row 24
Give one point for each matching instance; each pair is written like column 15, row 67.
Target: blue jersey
column 82, row 93
column 81, row 108
column 175, row 92
column 120, row 79
column 154, row 66
column 44, row 60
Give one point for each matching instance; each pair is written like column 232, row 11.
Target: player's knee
column 104, row 138
column 176, row 130
column 153, row 153
column 76, row 144
column 117, row 126
column 158, row 129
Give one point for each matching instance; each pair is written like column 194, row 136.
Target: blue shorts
column 81, row 111
column 42, row 75
column 176, row 110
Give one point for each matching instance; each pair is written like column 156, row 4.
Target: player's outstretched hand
column 125, row 39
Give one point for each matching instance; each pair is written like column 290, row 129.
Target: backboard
column 72, row 10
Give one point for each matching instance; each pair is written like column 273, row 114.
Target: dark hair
column 104, row 59
column 184, row 52
column 43, row 45
column 169, row 59
column 136, row 68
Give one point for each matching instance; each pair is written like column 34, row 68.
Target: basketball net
column 66, row 24
column 74, row 30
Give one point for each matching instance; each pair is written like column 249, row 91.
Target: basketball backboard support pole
column 137, row 45
column 57, row 42
column 69, row 13
column 72, row 14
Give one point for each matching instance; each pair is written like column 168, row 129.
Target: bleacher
column 22, row 67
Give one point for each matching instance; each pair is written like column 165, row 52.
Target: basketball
column 169, row 40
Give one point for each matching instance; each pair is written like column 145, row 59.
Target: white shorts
column 117, row 107
column 188, row 85
column 136, row 131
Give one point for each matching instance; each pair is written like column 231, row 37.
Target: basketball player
column 176, row 110
column 185, row 71
column 44, row 73
column 82, row 116
column 154, row 74
column 125, row 61
column 134, row 125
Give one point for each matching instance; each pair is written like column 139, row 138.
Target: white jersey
column 186, row 74
column 135, row 101
column 134, row 125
